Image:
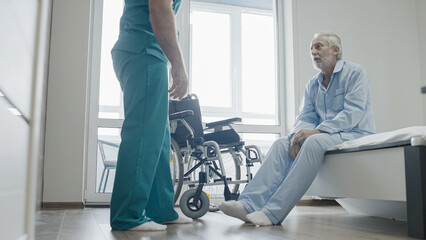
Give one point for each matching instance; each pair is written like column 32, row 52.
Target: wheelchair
column 206, row 160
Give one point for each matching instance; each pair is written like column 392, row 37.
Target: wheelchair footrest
column 221, row 180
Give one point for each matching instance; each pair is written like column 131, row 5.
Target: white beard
column 323, row 64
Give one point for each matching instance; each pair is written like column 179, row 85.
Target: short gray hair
column 333, row 41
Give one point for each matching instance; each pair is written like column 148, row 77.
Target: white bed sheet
column 416, row 134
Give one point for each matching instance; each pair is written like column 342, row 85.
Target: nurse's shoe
column 149, row 226
column 259, row 218
column 234, row 209
column 182, row 219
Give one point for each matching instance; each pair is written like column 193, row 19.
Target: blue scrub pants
column 143, row 189
column 281, row 182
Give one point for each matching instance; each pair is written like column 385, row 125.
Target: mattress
column 415, row 136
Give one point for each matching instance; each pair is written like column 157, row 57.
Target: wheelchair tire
column 192, row 210
column 176, row 168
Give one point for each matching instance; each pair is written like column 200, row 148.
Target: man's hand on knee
column 302, row 135
column 294, row 148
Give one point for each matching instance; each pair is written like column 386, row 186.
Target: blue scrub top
column 136, row 31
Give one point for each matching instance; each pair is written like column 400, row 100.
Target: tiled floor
column 304, row 222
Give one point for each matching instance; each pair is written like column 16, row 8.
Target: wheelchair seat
column 225, row 138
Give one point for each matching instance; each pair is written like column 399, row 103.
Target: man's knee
column 281, row 144
column 279, row 147
column 314, row 142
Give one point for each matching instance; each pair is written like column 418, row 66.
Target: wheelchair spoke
column 215, row 186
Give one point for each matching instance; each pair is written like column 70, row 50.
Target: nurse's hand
column 180, row 82
column 294, row 148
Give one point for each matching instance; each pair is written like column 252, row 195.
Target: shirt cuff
column 325, row 129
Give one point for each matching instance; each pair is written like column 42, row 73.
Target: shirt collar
column 337, row 68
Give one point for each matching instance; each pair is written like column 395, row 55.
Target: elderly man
column 336, row 108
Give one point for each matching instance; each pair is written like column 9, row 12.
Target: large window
column 110, row 95
column 106, row 103
column 233, row 60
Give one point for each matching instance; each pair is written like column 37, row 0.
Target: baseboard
column 80, row 205
column 62, row 205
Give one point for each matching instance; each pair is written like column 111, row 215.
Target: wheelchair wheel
column 176, row 168
column 232, row 169
column 192, row 209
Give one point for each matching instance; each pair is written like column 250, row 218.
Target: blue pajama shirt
column 343, row 111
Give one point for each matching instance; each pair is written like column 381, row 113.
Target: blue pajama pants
column 143, row 189
column 281, row 182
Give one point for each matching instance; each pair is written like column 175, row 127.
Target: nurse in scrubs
column 142, row 197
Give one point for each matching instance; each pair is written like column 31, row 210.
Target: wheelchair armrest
column 223, row 122
column 176, row 117
column 180, row 115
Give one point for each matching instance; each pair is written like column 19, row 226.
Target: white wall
column 16, row 65
column 17, row 50
column 66, row 102
column 421, row 29
column 23, row 24
column 380, row 35
column 14, row 133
